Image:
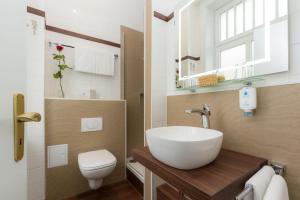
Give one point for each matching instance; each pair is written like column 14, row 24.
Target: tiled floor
column 119, row 191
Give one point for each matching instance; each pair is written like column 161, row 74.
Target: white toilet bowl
column 96, row 165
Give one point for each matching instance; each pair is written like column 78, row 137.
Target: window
column 242, row 16
column 223, row 26
column 248, row 15
column 236, row 23
column 231, row 23
column 259, row 13
column 270, row 9
column 233, row 56
column 282, row 8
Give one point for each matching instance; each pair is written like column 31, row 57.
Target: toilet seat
column 95, row 160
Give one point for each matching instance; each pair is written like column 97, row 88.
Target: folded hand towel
column 260, row 182
column 277, row 189
column 96, row 61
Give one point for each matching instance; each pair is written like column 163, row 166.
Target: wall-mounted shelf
column 225, row 83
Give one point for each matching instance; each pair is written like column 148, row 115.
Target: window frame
column 245, row 40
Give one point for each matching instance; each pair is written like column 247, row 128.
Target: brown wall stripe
column 163, row 17
column 81, row 36
column 189, row 58
column 35, row 11
column 70, row 33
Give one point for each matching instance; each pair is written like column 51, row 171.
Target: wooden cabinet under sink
column 222, row 179
column 166, row 192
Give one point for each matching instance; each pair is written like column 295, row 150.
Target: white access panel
column 57, row 155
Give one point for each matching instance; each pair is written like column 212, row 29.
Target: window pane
column 234, row 56
column 282, row 8
column 259, row 12
column 248, row 15
column 270, row 9
column 231, row 23
column 240, row 18
column 223, row 26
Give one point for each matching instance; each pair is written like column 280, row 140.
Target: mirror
column 234, row 38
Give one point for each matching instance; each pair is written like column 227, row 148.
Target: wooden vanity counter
column 223, row 179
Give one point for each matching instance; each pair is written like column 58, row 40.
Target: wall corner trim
column 163, row 17
column 35, row 11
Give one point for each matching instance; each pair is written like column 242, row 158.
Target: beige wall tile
column 63, row 119
column 273, row 132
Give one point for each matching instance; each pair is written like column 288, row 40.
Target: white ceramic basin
column 184, row 147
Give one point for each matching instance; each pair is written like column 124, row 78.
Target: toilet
column 96, row 165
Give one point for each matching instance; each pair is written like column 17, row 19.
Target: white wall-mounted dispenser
column 248, row 99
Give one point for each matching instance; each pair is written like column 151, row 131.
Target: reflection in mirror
column 234, row 38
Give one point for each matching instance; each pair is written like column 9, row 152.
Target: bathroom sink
column 184, row 147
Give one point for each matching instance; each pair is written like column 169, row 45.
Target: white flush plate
column 91, row 124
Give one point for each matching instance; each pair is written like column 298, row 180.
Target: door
column 15, row 77
column 133, row 85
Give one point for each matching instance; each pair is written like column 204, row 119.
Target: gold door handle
column 29, row 117
column 20, row 117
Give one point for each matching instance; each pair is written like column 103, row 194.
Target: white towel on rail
column 277, row 189
column 260, row 182
column 95, row 61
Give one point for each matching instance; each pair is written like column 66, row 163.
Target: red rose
column 59, row 48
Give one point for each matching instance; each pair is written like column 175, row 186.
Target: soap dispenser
column 248, row 99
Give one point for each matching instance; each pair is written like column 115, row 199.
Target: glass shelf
column 243, row 81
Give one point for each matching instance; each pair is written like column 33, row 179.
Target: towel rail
column 279, row 170
column 69, row 46
column 64, row 45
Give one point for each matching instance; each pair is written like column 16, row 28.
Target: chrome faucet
column 204, row 113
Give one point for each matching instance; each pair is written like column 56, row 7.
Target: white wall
column 165, row 7
column 160, row 51
column 77, row 84
column 159, row 63
column 100, row 19
column 38, row 4
column 163, row 59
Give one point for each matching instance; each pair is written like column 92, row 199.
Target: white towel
column 95, row 61
column 260, row 182
column 277, row 189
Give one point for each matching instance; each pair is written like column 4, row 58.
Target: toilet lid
column 96, row 159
